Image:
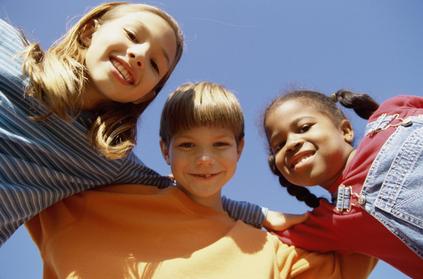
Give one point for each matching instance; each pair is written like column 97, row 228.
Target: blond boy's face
column 203, row 160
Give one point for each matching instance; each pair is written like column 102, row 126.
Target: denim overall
column 393, row 189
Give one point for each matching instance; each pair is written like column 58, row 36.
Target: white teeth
column 125, row 74
column 301, row 160
column 204, row 175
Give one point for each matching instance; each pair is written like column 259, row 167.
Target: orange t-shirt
column 134, row 231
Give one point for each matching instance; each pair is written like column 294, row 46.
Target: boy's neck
column 214, row 201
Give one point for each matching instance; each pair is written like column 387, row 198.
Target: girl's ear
column 165, row 151
column 347, row 131
column 87, row 32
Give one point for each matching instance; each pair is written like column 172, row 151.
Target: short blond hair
column 201, row 104
column 58, row 76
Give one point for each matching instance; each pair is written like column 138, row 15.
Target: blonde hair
column 201, row 104
column 58, row 76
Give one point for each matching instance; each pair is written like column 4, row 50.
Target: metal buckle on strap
column 343, row 199
column 346, row 199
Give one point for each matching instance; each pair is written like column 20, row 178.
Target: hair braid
column 362, row 104
column 300, row 193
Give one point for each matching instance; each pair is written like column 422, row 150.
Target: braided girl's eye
column 304, row 128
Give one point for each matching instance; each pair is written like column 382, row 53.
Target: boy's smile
column 202, row 160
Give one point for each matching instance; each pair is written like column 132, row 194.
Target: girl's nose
column 293, row 143
column 138, row 53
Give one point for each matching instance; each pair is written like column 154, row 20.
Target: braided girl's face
column 309, row 148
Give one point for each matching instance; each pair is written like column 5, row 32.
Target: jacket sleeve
column 323, row 231
column 297, row 263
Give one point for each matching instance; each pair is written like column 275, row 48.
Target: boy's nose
column 204, row 158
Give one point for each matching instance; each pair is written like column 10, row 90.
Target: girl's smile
column 127, row 57
column 309, row 148
column 123, row 71
column 300, row 160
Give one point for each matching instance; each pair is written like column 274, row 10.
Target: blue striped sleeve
column 241, row 210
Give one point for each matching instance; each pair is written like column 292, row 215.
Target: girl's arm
column 278, row 221
column 297, row 263
column 317, row 233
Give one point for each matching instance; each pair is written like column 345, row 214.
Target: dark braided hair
column 362, row 104
column 301, row 193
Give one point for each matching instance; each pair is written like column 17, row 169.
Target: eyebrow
column 299, row 119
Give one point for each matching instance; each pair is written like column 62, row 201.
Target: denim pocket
column 401, row 193
column 394, row 185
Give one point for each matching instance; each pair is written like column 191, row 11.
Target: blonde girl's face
column 127, row 57
column 309, row 148
column 203, row 160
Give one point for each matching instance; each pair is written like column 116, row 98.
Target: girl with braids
column 68, row 119
column 377, row 188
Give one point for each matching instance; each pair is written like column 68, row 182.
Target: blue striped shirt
column 42, row 162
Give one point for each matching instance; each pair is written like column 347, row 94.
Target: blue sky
column 256, row 48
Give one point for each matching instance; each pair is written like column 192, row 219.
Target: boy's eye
column 186, row 145
column 131, row 36
column 221, row 144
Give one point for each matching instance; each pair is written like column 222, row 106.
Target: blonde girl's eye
column 131, row 35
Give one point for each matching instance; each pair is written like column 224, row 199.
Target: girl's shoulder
column 12, row 79
column 403, row 101
column 10, row 36
column 12, row 43
column 397, row 104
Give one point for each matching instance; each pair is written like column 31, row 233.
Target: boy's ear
column 240, row 147
column 165, row 151
column 347, row 131
column 87, row 32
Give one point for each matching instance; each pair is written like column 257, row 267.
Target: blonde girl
column 68, row 119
